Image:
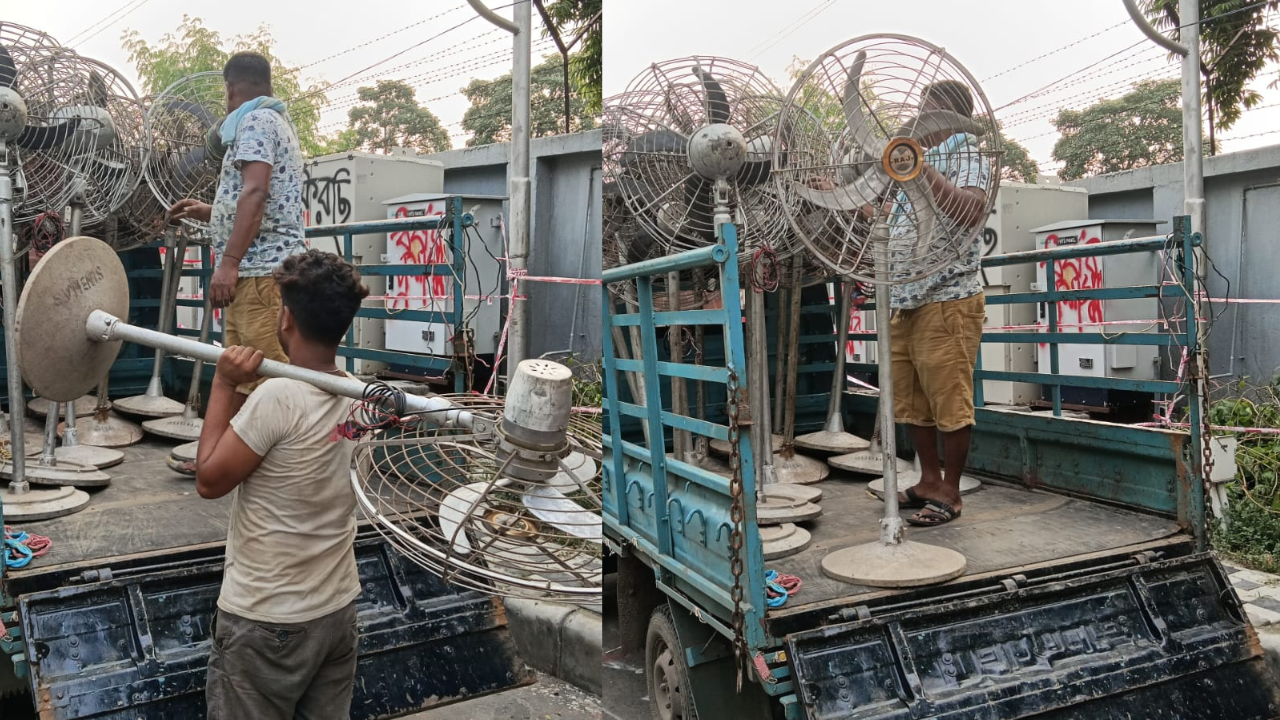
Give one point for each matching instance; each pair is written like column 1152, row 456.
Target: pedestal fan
column 872, row 155
column 693, row 144
column 185, row 162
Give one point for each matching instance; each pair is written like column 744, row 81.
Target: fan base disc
column 796, row 493
column 41, row 503
column 721, row 447
column 66, row 474
column 866, row 463
column 907, row 564
column 84, row 406
column 835, row 443
column 112, row 431
column 775, row 509
column 186, row 452
column 799, row 470
column 968, row 484
column 781, row 541
column 177, row 427
column 88, row 455
column 148, row 406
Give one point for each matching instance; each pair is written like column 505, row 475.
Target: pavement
column 625, row 693
column 548, row 699
column 559, row 640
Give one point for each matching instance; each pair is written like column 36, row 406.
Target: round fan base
column 106, row 430
column 83, row 407
column 796, row 493
column 721, row 447
column 907, row 564
column 777, row 509
column 88, row 456
column 865, row 463
column 64, row 474
column 799, row 470
column 968, row 484
column 781, row 541
column 152, row 406
column 176, row 427
column 834, row 443
column 185, row 452
column 41, row 503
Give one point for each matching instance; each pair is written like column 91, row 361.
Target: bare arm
column 224, row 460
column 964, row 205
column 249, row 209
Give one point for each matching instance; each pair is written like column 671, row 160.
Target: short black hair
column 323, row 292
column 950, row 93
column 248, row 68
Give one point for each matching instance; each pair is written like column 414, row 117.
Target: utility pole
column 520, row 26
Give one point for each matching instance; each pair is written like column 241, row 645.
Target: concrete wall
column 1240, row 342
column 565, row 231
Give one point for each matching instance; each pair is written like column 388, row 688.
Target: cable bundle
column 21, row 547
column 382, row 407
column 779, row 587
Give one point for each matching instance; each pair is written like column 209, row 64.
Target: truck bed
column 146, row 508
column 1001, row 527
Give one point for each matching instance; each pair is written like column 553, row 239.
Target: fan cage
column 182, row 165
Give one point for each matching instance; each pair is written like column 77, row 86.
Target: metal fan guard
column 428, row 488
column 648, row 128
column 816, row 143
column 181, row 117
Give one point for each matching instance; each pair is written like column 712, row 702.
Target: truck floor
column 146, row 508
column 1001, row 527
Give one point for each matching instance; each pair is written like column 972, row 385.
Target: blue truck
column 1090, row 591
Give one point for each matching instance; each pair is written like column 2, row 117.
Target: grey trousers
column 282, row 672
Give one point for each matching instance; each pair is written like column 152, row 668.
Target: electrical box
column 485, row 281
column 1093, row 316
column 1019, row 207
column 354, row 187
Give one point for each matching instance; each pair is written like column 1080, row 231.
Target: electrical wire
column 397, row 31
column 77, row 37
column 1069, row 46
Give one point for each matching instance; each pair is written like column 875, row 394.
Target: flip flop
column 934, row 514
column 914, row 501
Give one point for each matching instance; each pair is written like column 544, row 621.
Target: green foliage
column 1141, row 128
column 1017, row 165
column 1236, row 44
column 571, row 19
column 1251, row 534
column 194, row 48
column 388, row 116
column 489, row 117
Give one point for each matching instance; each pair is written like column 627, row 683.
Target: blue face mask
column 231, row 125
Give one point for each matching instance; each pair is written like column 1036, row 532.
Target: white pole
column 518, row 180
column 9, row 278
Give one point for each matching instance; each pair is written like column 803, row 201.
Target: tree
column 1236, row 43
column 1142, row 128
column 388, row 116
column 489, row 117
column 194, row 48
column 578, row 24
column 1017, row 165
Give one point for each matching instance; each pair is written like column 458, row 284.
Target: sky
column 307, row 32
column 1000, row 42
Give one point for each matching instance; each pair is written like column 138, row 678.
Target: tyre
column 667, row 675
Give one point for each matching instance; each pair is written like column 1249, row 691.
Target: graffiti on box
column 419, row 247
column 1076, row 274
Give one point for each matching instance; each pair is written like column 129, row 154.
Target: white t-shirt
column 290, row 544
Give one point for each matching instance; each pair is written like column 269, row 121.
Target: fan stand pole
column 153, row 403
column 20, row 502
column 680, row 440
column 871, row 460
column 104, row 428
column 891, row 561
column 187, row 426
column 833, row 439
column 789, row 468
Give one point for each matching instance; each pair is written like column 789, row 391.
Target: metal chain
column 736, row 516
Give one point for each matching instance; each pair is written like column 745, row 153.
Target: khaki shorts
column 251, row 320
column 935, row 348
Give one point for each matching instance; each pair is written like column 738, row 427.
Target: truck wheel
column 670, row 694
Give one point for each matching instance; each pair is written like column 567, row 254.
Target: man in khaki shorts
column 937, row 321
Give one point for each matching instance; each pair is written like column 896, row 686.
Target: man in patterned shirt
column 938, row 319
column 256, row 217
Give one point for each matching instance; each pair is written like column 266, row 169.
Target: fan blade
column 717, row 100
column 755, row 170
column 97, row 90
column 655, row 142
column 47, row 137
column 853, row 114
column 923, row 209
column 866, row 189
column 8, row 70
column 937, row 122
column 552, row 507
column 194, row 109
column 187, row 169
column 456, row 512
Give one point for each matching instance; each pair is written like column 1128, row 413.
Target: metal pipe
column 1193, row 155
column 1156, row 36
column 890, row 524
column 105, row 327
column 835, row 421
column 193, row 395
column 687, row 260
column 680, row 439
column 168, row 299
column 69, row 438
column 788, row 399
column 9, row 279
column 758, row 391
column 483, row 11
column 518, row 177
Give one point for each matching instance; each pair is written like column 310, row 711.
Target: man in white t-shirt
column 284, row 635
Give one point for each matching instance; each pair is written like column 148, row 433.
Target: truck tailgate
column 1162, row 638
column 134, row 643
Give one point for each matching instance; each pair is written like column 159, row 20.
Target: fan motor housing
column 13, row 114
column 717, row 151
column 533, row 433
column 903, row 159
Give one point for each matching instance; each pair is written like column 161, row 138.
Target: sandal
column 934, row 513
column 913, row 501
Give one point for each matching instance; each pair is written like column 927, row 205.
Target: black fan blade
column 97, row 91
column 717, row 101
column 8, row 70
column 47, row 137
column 194, row 109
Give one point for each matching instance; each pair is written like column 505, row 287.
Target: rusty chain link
column 736, row 516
